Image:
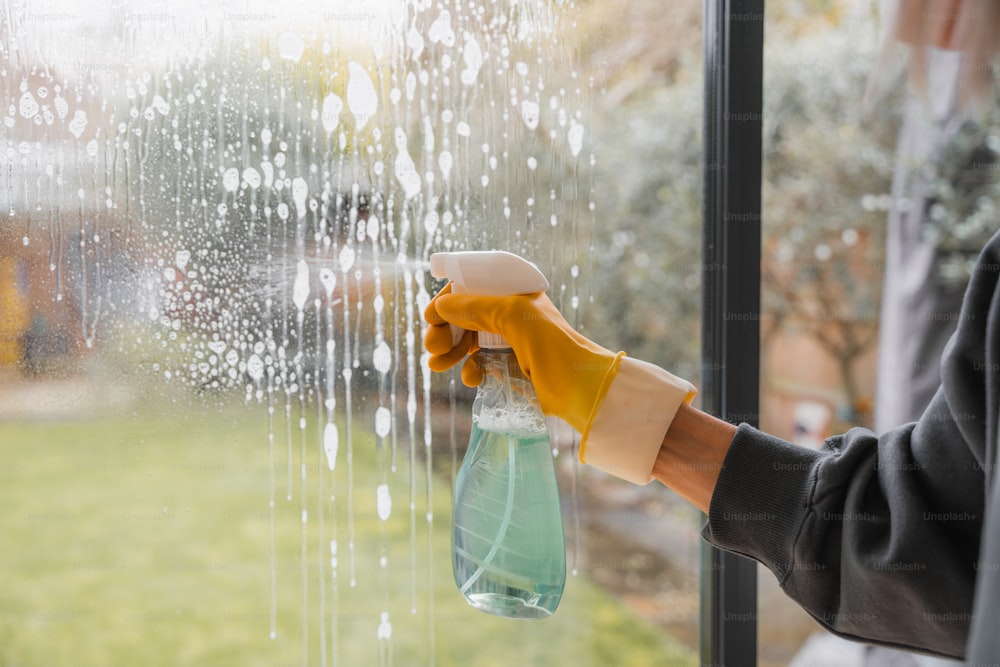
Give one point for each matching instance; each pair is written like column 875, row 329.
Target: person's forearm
column 692, row 453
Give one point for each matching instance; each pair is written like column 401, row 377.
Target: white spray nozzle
column 489, row 273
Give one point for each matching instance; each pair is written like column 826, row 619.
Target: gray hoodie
column 891, row 539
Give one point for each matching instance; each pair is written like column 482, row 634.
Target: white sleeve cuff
column 625, row 435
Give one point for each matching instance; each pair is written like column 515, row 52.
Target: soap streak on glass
column 253, row 203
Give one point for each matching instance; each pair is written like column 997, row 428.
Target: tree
column 828, row 167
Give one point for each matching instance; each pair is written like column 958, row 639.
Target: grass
column 144, row 539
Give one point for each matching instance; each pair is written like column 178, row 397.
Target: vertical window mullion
column 734, row 34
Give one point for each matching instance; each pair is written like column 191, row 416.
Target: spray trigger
column 487, row 273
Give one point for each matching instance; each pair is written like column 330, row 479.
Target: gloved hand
column 551, row 354
column 622, row 407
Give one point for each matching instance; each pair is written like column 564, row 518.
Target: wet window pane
column 220, row 440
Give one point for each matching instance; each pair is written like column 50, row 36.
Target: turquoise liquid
column 508, row 549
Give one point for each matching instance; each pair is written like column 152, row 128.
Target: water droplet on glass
column 530, row 113
column 328, row 279
column 415, row 41
column 300, row 190
column 332, row 106
column 444, row 163
column 440, row 30
column 384, row 626
column 161, row 105
column 405, row 169
column 462, row 129
column 431, row 221
column 575, row 139
column 361, row 97
column 28, row 106
column 252, row 177
column 331, row 442
column 300, row 290
column 382, row 358
column 181, row 259
column 231, row 179
column 472, row 56
column 290, row 46
column 383, row 502
column 346, row 258
column 411, row 85
column 255, row 368
column 79, row 123
column 383, row 421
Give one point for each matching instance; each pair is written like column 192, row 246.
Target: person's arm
column 876, row 536
column 692, row 454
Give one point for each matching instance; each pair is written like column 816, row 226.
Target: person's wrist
column 691, row 456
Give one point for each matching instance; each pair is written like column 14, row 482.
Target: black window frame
column 731, row 234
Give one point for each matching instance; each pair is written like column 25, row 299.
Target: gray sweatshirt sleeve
column 878, row 536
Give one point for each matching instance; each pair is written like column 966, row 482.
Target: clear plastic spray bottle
column 508, row 548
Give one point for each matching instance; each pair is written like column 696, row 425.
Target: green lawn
column 145, row 540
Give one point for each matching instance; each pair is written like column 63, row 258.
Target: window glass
column 220, row 440
column 828, row 165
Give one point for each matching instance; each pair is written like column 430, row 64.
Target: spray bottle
column 508, row 548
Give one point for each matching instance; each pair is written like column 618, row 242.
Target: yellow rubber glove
column 622, row 407
column 552, row 355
